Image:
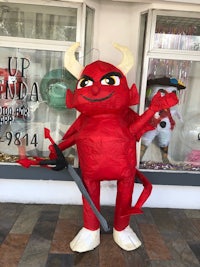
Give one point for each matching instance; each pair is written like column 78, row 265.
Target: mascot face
column 101, row 89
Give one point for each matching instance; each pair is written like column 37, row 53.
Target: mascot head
column 101, row 88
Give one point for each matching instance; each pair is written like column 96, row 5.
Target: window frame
column 165, row 177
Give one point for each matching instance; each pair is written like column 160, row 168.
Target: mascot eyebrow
column 86, row 77
column 107, row 75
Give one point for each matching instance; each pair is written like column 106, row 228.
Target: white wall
column 117, row 23
column 59, row 192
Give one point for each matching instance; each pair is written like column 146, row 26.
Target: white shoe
column 126, row 239
column 85, row 240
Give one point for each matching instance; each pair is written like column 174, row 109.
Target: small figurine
column 163, row 120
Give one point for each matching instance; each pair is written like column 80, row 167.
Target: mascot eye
column 84, row 82
column 111, row 80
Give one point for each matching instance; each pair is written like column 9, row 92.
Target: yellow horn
column 70, row 62
column 127, row 60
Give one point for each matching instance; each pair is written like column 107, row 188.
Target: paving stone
column 181, row 252
column 195, row 247
column 196, row 223
column 64, row 233
column 60, row 260
column 27, row 219
column 164, row 220
column 138, row 258
column 36, row 252
column 154, row 243
column 11, row 249
column 90, row 258
column 192, row 213
column 8, row 215
column 110, row 253
column 184, row 226
column 46, row 224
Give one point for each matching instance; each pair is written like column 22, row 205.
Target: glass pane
column 33, row 86
column 89, row 24
column 38, row 22
column 174, row 144
column 180, row 33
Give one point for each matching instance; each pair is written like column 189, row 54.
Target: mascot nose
column 95, row 90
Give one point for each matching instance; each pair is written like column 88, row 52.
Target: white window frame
column 43, row 44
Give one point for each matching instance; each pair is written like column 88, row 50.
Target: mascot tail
column 143, row 196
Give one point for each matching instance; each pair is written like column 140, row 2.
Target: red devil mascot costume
column 105, row 133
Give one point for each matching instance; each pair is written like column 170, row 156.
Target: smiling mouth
column 98, row 99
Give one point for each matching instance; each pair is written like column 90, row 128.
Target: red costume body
column 105, row 134
column 107, row 152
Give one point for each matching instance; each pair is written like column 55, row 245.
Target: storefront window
column 174, row 143
column 33, row 86
column 33, row 80
column 38, row 22
column 179, row 33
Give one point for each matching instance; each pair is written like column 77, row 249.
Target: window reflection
column 183, row 139
column 180, row 33
column 32, row 96
column 38, row 22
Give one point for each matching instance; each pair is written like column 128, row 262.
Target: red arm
column 159, row 102
column 69, row 137
column 141, row 124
